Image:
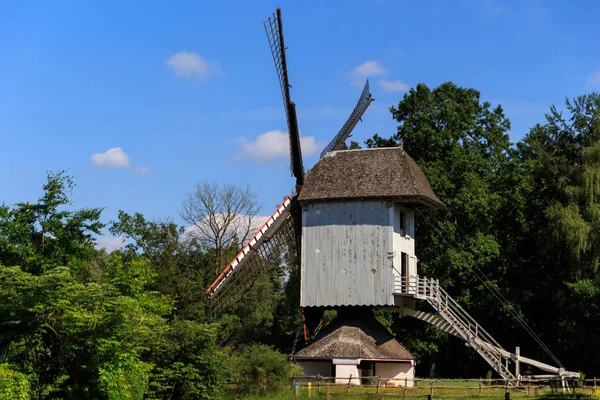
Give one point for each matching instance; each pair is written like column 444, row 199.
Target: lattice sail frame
column 264, row 249
column 274, row 30
column 361, row 106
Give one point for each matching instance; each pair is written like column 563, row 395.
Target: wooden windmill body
column 351, row 221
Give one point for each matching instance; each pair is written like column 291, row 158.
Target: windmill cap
column 384, row 173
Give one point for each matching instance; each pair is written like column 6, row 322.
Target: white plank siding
column 346, row 254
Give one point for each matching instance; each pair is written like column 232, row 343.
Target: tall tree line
column 523, row 218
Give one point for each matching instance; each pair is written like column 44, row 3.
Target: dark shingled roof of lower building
column 369, row 173
column 361, row 336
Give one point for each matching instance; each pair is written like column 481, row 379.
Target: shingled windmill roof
column 361, row 337
column 368, row 173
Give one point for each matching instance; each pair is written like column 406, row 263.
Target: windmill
column 352, row 223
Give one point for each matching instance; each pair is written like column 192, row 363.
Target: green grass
column 447, row 390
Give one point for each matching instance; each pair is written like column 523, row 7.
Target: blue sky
column 184, row 92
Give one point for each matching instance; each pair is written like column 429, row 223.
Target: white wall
column 343, row 372
column 397, row 372
column 310, row 368
column 404, row 243
column 346, row 248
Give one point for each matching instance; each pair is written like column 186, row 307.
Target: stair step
column 448, row 309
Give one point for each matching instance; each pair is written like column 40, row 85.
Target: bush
column 126, row 379
column 261, row 368
column 188, row 364
column 488, row 377
column 13, row 385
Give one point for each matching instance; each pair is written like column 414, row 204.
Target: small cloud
column 142, row 170
column 492, row 8
column 397, row 52
column 190, row 63
column 112, row 158
column 394, row 86
column 367, row 69
column 109, row 243
column 594, row 79
column 273, row 145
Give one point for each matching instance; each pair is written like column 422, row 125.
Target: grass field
column 451, row 389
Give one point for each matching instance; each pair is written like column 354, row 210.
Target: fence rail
column 441, row 388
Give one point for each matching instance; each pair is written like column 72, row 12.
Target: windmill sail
column 361, row 106
column 274, row 29
column 266, row 247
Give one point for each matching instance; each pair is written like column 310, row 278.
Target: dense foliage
column 79, row 323
column 524, row 216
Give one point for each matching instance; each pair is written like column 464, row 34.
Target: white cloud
column 594, row 79
column 394, row 86
column 110, row 243
column 274, row 145
column 397, row 52
column 113, row 158
column 239, row 226
column 369, row 68
column 142, row 170
column 365, row 70
column 190, row 63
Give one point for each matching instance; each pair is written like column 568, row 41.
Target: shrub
column 261, row 368
column 13, row 385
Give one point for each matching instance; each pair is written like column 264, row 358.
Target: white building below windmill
column 354, row 348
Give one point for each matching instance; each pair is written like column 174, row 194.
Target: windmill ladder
column 458, row 322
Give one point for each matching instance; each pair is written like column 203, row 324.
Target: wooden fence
column 375, row 386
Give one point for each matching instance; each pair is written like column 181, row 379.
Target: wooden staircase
column 456, row 321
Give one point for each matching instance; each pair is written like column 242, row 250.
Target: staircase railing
column 429, row 289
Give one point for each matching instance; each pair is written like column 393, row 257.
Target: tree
column 46, row 234
column 76, row 340
column 222, row 215
column 462, row 145
column 561, row 245
column 182, row 266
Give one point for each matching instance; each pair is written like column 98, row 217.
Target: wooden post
column 517, row 362
column 507, row 391
column 378, row 383
column 480, row 387
column 349, row 380
column 431, row 388
column 309, row 385
column 327, row 391
column 551, row 386
column 319, row 384
column 405, row 385
column 528, row 387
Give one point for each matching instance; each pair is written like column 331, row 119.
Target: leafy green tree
column 561, row 245
column 188, row 364
column 46, row 234
column 462, row 145
column 182, row 266
column 65, row 334
column 13, row 384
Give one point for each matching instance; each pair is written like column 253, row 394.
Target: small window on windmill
column 402, row 221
